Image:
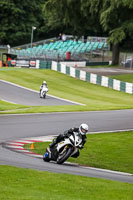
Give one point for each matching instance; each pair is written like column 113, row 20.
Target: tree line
column 107, row 18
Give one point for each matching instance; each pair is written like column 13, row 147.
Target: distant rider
column 82, row 130
column 43, row 88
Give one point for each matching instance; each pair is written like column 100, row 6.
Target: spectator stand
column 58, row 50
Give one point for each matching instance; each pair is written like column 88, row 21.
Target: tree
column 105, row 17
column 74, row 14
column 117, row 19
column 17, row 18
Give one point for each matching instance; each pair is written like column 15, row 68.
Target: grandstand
column 54, row 49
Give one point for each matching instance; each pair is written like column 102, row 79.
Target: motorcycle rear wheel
column 62, row 158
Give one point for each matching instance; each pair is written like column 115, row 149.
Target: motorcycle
column 43, row 92
column 64, row 149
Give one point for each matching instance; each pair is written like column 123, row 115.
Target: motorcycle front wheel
column 44, row 95
column 64, row 156
column 46, row 157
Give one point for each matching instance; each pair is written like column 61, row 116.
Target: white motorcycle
column 64, row 149
column 43, row 92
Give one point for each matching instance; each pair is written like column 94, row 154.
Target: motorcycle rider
column 82, row 130
column 43, row 87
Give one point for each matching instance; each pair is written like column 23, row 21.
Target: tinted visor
column 83, row 130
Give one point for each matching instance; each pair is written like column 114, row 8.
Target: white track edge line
column 38, row 92
column 8, row 101
column 98, row 169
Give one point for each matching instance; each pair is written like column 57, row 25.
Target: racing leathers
column 67, row 134
column 43, row 88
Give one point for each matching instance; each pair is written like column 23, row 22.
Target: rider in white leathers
column 83, row 129
column 43, row 88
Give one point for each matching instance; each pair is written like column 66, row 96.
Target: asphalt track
column 20, row 95
column 107, row 71
column 13, row 127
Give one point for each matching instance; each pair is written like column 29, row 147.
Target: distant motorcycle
column 64, row 149
column 43, row 92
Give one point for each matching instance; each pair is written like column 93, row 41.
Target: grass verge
column 9, row 106
column 108, row 151
column 95, row 97
column 26, row 184
column 124, row 77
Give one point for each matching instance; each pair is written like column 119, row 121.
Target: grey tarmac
column 22, row 126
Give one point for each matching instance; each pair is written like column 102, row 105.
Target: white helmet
column 83, row 129
column 44, row 82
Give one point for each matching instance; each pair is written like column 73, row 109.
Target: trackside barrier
column 96, row 63
column 93, row 78
column 43, row 64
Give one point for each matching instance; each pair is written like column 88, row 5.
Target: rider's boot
column 53, row 144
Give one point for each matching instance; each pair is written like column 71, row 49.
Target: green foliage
column 116, row 35
column 93, row 15
column 116, row 21
column 100, row 17
column 53, row 16
column 17, row 19
column 75, row 14
column 77, row 17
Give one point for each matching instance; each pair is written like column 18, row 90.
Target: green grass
column 108, row 150
column 105, row 151
column 95, row 97
column 124, row 77
column 26, row 184
column 9, row 106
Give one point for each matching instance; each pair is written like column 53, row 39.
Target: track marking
column 17, row 146
column 8, row 101
column 108, row 171
column 38, row 93
column 78, row 112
